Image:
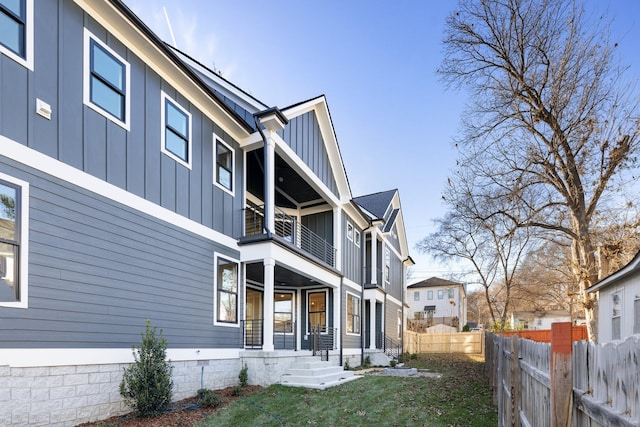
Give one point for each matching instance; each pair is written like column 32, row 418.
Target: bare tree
column 491, row 246
column 551, row 123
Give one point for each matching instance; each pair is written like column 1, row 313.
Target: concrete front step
column 316, row 374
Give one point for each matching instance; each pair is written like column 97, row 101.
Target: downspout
column 341, row 317
column 265, row 189
column 363, row 251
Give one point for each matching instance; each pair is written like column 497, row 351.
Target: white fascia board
column 138, row 43
column 319, row 105
column 252, row 142
column 618, row 275
column 38, row 357
column 394, row 300
column 258, row 252
column 353, row 285
column 301, row 168
column 374, row 294
column 67, row 173
column 355, row 215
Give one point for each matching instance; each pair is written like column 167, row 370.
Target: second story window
column 176, row 131
column 16, row 30
column 224, row 157
column 106, row 81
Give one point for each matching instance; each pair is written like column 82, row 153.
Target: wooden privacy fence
column 564, row 383
column 544, row 335
column 458, row 342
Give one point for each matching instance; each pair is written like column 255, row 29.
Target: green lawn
column 461, row 397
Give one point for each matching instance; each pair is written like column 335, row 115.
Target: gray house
column 137, row 184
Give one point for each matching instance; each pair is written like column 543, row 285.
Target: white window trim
column 163, row 132
column 293, row 312
column 350, row 227
column 399, row 324
column 346, row 313
column 326, row 309
column 27, row 61
column 356, row 237
column 217, row 256
column 23, row 267
column 86, row 72
column 217, row 139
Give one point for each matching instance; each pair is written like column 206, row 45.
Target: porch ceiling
column 291, row 189
column 283, row 276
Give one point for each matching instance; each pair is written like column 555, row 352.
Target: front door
column 253, row 322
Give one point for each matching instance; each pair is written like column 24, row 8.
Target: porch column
column 337, row 315
column 372, row 323
column 374, row 257
column 337, row 236
column 269, row 183
column 268, row 304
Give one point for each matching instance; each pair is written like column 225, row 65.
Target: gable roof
column 632, row 267
column 376, row 203
column 433, row 282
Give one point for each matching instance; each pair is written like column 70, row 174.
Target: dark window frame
column 167, row 128
column 222, row 262
column 21, row 20
column 15, row 243
column 230, row 170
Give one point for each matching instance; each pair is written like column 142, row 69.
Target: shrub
column 244, row 376
column 208, row 399
column 414, row 356
column 236, row 391
column 346, row 365
column 466, row 328
column 367, row 362
column 393, row 363
column 146, row 385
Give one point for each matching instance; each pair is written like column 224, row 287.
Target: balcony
column 291, row 231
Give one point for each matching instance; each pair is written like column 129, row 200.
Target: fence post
column 514, row 375
column 500, row 381
column 561, row 374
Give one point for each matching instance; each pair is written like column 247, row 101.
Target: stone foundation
column 64, row 396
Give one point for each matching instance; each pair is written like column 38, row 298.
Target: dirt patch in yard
column 185, row 412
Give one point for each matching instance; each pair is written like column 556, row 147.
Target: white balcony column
column 337, row 315
column 372, row 323
column 270, row 182
column 268, row 301
column 374, row 256
column 337, row 236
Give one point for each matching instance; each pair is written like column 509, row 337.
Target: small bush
column 243, row 377
column 414, row 356
column 346, row 366
column 393, row 363
column 367, row 362
column 146, row 385
column 208, row 399
column 466, row 328
column 237, row 391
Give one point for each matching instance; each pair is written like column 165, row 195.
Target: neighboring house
column 138, row 184
column 436, row 301
column 619, row 303
column 539, row 319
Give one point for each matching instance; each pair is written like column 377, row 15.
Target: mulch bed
column 185, row 412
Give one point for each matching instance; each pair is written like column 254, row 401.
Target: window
column 616, row 314
column 224, row 159
column 429, row 294
column 226, row 291
column 349, row 231
column 16, row 31
column 440, row 294
column 283, row 313
column 353, row 314
column 387, row 264
column 356, row 237
column 106, row 86
column 399, row 324
column 176, row 131
column 450, row 293
column 416, row 296
column 14, row 200
column 318, row 311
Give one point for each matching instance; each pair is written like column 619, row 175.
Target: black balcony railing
column 290, row 230
column 391, row 347
column 321, row 342
column 252, row 333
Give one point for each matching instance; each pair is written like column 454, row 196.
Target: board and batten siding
column 303, row 135
column 391, row 320
column 352, row 254
column 98, row 270
column 81, row 137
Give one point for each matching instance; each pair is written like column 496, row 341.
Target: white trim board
column 56, row 168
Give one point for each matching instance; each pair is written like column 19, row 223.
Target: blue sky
column 374, row 61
